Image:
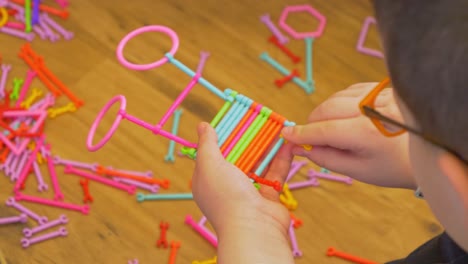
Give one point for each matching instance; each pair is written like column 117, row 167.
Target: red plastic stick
column 296, row 59
column 296, row 221
column 275, row 184
column 104, row 171
column 333, row 252
column 162, row 241
column 280, row 82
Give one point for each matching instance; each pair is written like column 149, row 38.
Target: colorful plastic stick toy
column 248, row 132
column 333, row 252
column 175, row 127
column 162, row 241
column 267, row 21
column 362, row 38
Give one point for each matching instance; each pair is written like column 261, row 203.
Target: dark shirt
column 439, row 250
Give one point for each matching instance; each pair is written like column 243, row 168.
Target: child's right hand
column 345, row 141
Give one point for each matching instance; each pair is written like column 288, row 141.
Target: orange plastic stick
column 53, row 11
column 238, row 127
column 78, row 102
column 175, row 245
column 256, row 150
column 333, row 252
column 275, row 184
column 4, row 155
column 241, row 162
column 23, row 55
column 103, row 171
column 296, row 221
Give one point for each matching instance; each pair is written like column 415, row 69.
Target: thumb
column 208, row 150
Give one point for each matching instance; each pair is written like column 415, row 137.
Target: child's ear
column 457, row 174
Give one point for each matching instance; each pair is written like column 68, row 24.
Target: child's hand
column 251, row 224
column 345, row 141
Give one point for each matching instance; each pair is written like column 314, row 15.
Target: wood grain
column 371, row 222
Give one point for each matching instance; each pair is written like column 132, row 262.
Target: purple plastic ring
column 92, row 131
column 143, row 67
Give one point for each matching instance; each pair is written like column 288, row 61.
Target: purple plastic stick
column 149, row 187
column 203, row 57
column 302, row 184
column 41, row 186
column 321, row 175
column 35, row 13
column 53, row 177
column 362, row 38
column 7, row 162
column 11, row 202
column 21, row 163
column 295, row 167
column 25, row 242
column 30, row 74
column 77, row 164
column 10, row 170
column 47, row 30
column 6, row 68
column 28, row 165
column 202, row 221
column 203, row 231
column 37, row 28
column 65, row 33
column 292, row 236
column 28, row 232
column 22, row 218
column 267, row 21
column 128, row 188
column 17, row 33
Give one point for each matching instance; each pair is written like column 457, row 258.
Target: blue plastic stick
column 175, row 128
column 191, row 73
column 269, row 157
column 224, row 134
column 310, row 80
column 307, row 88
column 167, row 196
column 236, row 105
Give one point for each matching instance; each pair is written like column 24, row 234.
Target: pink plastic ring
column 302, row 8
column 143, row 67
column 92, row 131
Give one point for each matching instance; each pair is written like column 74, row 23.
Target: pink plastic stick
column 295, row 167
column 30, row 74
column 47, row 30
column 28, row 232
column 303, row 184
column 27, row 166
column 148, row 174
column 145, row 186
column 242, row 130
column 41, row 186
column 7, row 162
column 362, row 38
column 267, row 21
column 53, row 177
column 15, row 25
column 176, row 103
column 321, row 175
column 5, row 70
column 22, row 218
column 203, row 231
column 201, row 64
column 25, row 242
column 292, row 236
column 62, row 3
column 12, row 202
column 130, row 189
column 84, row 209
column 77, row 164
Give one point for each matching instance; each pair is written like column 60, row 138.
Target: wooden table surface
column 371, row 222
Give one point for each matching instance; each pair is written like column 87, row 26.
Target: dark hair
column 426, row 49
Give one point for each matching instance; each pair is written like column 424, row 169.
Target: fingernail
column 202, row 128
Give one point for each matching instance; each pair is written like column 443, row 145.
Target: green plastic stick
column 27, row 15
column 249, row 135
column 223, row 110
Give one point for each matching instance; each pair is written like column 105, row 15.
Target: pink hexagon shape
column 302, row 8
